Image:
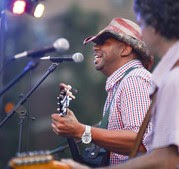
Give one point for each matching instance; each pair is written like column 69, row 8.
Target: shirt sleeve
column 166, row 125
column 135, row 101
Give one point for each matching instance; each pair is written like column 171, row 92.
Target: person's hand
column 74, row 165
column 64, row 87
column 67, row 125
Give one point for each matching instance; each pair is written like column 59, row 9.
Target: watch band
column 86, row 137
column 88, row 129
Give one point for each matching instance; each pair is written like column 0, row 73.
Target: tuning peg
column 74, row 90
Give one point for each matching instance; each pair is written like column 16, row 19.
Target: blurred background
column 71, row 19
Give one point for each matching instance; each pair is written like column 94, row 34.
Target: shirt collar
column 119, row 73
column 166, row 64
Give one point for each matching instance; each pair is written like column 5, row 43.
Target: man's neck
column 164, row 45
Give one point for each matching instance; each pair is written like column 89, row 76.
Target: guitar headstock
column 36, row 159
column 64, row 98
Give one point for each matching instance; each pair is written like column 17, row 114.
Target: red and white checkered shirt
column 130, row 103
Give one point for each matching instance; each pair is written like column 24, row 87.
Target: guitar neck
column 74, row 150
column 63, row 102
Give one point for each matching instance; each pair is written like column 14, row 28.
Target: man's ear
column 126, row 51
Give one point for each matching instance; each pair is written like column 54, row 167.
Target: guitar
column 94, row 156
column 63, row 102
column 37, row 160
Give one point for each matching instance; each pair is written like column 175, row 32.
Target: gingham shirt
column 130, row 103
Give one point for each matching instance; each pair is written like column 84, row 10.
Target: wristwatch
column 86, row 137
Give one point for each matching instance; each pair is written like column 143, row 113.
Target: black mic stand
column 2, row 42
column 22, row 112
column 30, row 65
column 25, row 98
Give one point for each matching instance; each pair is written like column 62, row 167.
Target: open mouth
column 97, row 57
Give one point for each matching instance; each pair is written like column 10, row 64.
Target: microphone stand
column 22, row 112
column 2, row 43
column 25, row 98
column 30, row 65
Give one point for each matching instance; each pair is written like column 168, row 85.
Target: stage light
column 35, row 8
column 39, row 10
column 31, row 7
column 19, row 7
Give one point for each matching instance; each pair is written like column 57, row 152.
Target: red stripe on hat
column 129, row 27
column 116, row 29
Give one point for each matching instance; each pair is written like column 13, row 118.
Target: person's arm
column 119, row 141
column 163, row 158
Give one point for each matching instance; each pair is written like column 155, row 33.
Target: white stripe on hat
column 134, row 25
column 124, row 29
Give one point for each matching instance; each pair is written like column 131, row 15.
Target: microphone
column 77, row 57
column 60, row 45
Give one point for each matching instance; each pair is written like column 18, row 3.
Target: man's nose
column 96, row 47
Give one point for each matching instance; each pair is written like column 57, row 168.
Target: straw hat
column 126, row 31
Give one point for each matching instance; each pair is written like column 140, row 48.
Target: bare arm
column 119, row 141
column 163, row 158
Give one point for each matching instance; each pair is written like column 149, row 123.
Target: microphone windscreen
column 61, row 45
column 78, row 57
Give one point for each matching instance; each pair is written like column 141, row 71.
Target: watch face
column 86, row 138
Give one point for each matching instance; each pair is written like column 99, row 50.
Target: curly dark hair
column 163, row 15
